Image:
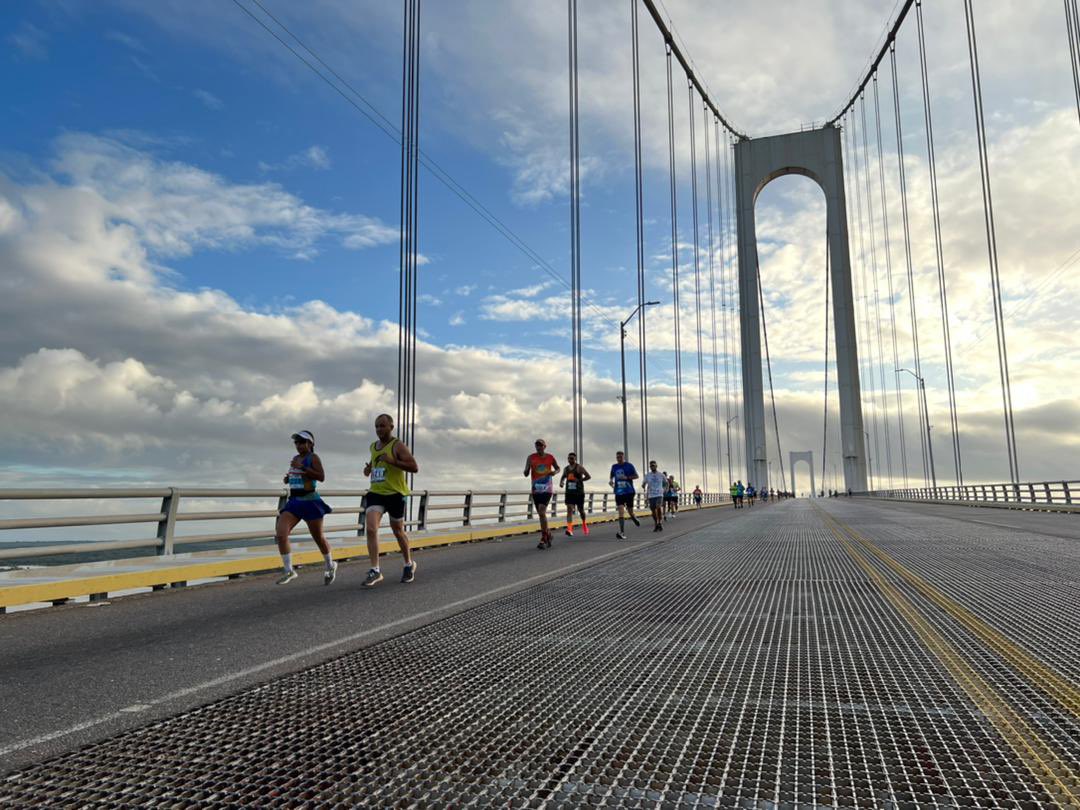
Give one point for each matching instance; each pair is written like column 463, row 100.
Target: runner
column 654, row 491
column 671, row 496
column 740, row 491
column 541, row 465
column 750, row 494
column 734, row 492
column 698, row 495
column 304, row 503
column 390, row 460
column 573, row 478
column 622, row 480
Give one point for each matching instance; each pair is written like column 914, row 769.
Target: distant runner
column 304, row 503
column 622, row 480
column 390, row 460
column 698, row 495
column 751, row 493
column 541, row 465
column 734, row 492
column 654, row 491
column 740, row 490
column 573, row 479
column 671, row 496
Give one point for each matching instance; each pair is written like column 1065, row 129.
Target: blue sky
column 191, row 160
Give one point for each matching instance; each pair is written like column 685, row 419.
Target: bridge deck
column 856, row 653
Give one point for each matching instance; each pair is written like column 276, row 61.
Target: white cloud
column 208, row 99
column 457, row 319
column 30, row 41
column 314, row 157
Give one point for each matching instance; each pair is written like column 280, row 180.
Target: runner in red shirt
column 542, row 466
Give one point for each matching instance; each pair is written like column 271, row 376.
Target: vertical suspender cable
column 868, row 362
column 575, row 232
column 697, row 284
column 733, row 310
column 892, row 292
column 639, row 191
column 924, row 436
column 825, row 419
column 722, row 227
column 877, row 297
column 712, row 291
column 991, row 245
column 772, row 393
column 675, row 265
column 946, row 331
column 1072, row 30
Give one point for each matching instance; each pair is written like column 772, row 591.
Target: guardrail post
column 529, row 508
column 593, row 494
column 502, row 508
column 421, row 512
column 167, row 525
column 466, row 511
column 604, row 507
column 1046, row 489
column 1068, row 492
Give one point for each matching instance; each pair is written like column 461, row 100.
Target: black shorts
column 393, row 505
column 541, row 498
column 626, row 499
column 575, row 498
column 671, row 498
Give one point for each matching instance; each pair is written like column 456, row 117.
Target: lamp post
column 622, row 362
column 926, row 416
column 727, row 429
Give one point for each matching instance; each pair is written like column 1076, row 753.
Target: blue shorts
column 314, row 509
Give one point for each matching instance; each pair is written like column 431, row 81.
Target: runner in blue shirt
column 622, row 481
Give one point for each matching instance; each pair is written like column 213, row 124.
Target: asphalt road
column 76, row 674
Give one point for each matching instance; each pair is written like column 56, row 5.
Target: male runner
column 740, row 490
column 573, row 479
column 698, row 495
column 390, row 461
column 751, row 493
column 671, row 496
column 622, row 480
column 541, row 465
column 654, row 491
column 734, row 492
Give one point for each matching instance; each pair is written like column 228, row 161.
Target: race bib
column 541, row 484
column 296, row 481
column 571, row 485
column 378, row 475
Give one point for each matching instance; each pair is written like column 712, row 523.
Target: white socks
column 329, row 560
column 286, row 560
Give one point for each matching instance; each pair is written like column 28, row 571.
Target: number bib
column 296, row 481
column 571, row 486
column 378, row 475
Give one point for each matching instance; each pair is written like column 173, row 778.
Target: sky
column 199, row 238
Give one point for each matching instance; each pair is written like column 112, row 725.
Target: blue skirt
column 307, row 510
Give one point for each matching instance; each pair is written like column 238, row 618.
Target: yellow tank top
column 386, row 479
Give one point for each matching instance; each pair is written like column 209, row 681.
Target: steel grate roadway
column 753, row 664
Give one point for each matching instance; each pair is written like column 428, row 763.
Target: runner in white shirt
column 654, row 490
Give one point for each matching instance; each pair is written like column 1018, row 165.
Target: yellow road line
column 1051, row 770
column 1052, row 683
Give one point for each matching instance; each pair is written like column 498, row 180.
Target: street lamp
column 622, row 361
column 731, row 477
column 926, row 416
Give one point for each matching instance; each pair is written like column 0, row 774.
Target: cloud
column 30, row 41
column 128, row 41
column 208, row 99
column 457, row 319
column 314, row 157
column 465, row 290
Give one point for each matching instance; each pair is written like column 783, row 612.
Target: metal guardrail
column 429, row 510
column 1040, row 493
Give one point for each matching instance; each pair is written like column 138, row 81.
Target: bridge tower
column 794, row 458
column 815, row 154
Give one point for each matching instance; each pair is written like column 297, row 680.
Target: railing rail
column 1034, row 493
column 429, row 510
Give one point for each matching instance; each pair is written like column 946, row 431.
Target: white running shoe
column 287, row 577
column 330, row 573
column 620, row 536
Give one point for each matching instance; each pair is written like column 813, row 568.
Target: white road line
column 285, row 659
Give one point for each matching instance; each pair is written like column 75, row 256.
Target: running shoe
column 330, row 574
column 372, row 579
column 408, row 573
column 568, row 532
column 287, row 577
column 541, row 545
column 620, row 536
column 585, row 529
column 636, row 521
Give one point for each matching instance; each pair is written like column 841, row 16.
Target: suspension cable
column 825, row 419
column 892, row 292
column 407, row 246
column 723, row 224
column 697, row 282
column 712, row 290
column 639, row 193
column 772, row 393
column 946, row 329
column 675, row 265
column 734, row 312
column 1072, row 30
column 924, row 435
column 877, row 295
column 575, row 232
column 991, row 244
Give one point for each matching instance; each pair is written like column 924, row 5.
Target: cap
column 305, row 435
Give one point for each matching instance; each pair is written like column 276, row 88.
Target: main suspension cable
column 675, row 265
column 892, row 292
column 924, row 435
column 575, row 233
column 1072, row 31
column 697, row 283
column 991, row 245
column 639, row 194
column 946, row 331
